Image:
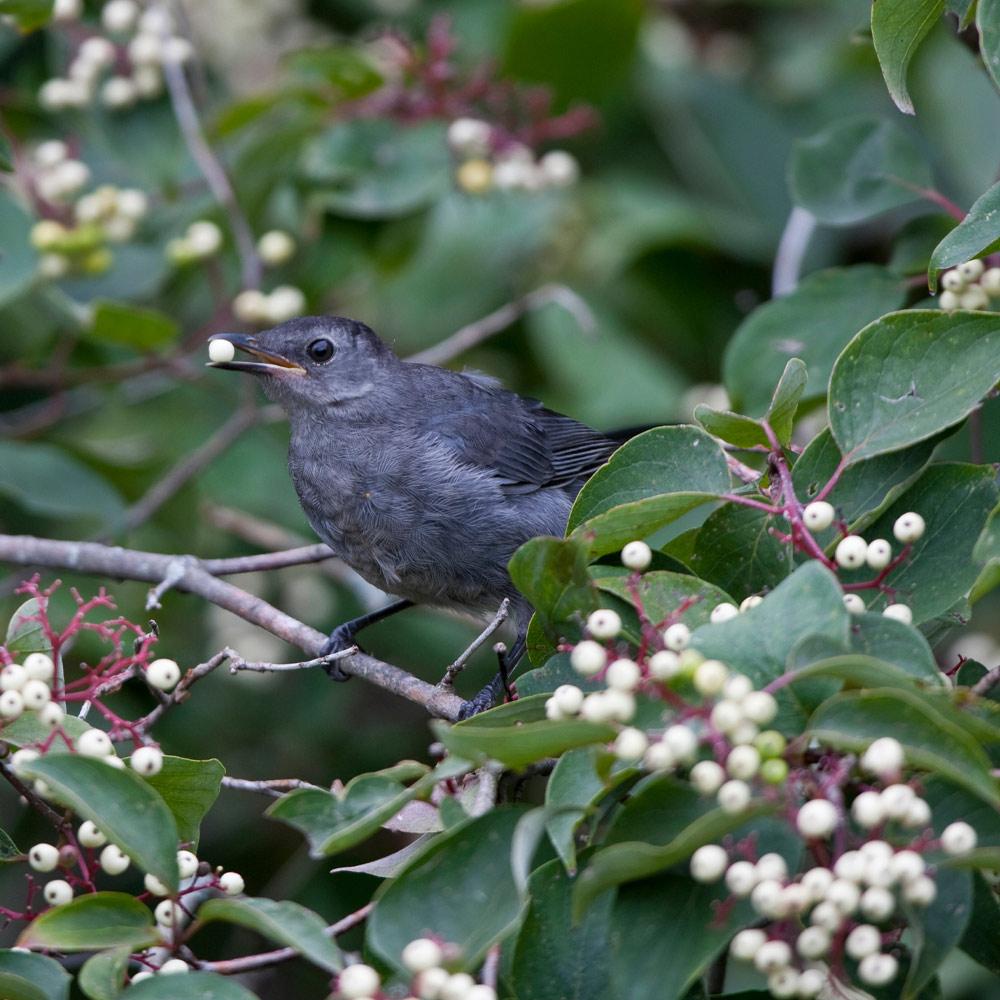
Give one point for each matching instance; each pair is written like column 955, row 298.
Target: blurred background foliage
column 669, row 236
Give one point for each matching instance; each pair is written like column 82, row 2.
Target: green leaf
column 909, row 375
column 813, row 323
column 460, row 889
column 347, row 68
column 522, row 743
column 46, row 976
column 190, row 986
column 27, row 14
column 785, row 401
column 26, row 729
column 981, row 939
column 9, row 851
column 854, row 719
column 898, row 28
column 132, row 326
column 556, row 958
column 857, row 168
column 864, row 489
column 859, row 671
column 988, row 25
column 25, row 634
column 978, row 233
column 955, row 501
column 552, row 574
column 733, row 428
column 335, row 821
column 938, row 928
column 896, row 643
column 45, row 480
column 20, row 261
column 124, row 807
column 103, row 975
column 282, row 921
column 376, row 169
column 6, row 155
column 189, row 788
column 14, row 987
column 736, row 551
column 93, row 922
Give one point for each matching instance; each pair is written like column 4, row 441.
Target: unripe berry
column 174, row 967
column 818, row 515
column 39, row 667
column 114, row 860
column 568, row 698
column 746, row 944
column 878, row 970
column 624, row 675
column 630, row 744
column 817, row 819
column 958, row 838
column 743, row 762
column 683, row 744
column 877, row 903
column 867, row 810
column 774, row 772
column 899, row 612
column 588, row 658
column 45, row 234
column 851, row 552
column 710, row 677
column 604, row 624
column 147, row 761
column 36, row 695
column 275, row 247
column 709, row 863
column 163, row 674
column 813, row 942
column 770, row 744
column 863, row 940
column 772, row 956
column 659, row 757
column 883, row 758
column 43, row 857
column 741, row 877
column 89, row 835
column 723, row 612
column 637, row 556
column 664, row 665
column 94, row 743
column 854, row 604
column 707, row 777
column 921, row 891
column 759, row 707
column 909, row 527
column 231, row 883
column 11, row 704
column 57, row 892
column 734, row 796
column 422, row 954
column 677, row 636
column 475, row 176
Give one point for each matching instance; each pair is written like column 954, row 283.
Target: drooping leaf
column 894, row 642
column 857, row 168
column 44, row 974
column 102, row 976
column 460, row 889
column 898, row 28
column 909, row 375
column 282, row 921
column 124, row 807
column 25, row 634
column 813, row 323
column 978, row 233
column 189, row 788
column 93, row 922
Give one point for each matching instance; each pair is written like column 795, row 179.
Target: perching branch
column 194, row 578
column 238, row 664
column 458, row 666
column 275, row 787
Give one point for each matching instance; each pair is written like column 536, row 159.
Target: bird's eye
column 320, row 350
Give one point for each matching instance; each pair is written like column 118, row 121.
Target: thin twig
column 233, row 966
column 180, row 692
column 492, row 324
column 987, row 682
column 95, row 559
column 33, row 798
column 237, row 663
column 503, row 612
column 491, row 967
column 300, row 556
column 275, row 787
column 791, row 251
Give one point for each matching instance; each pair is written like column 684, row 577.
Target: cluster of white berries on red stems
column 428, row 961
column 969, row 286
column 487, row 161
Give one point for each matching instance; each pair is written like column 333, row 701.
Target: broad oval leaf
column 460, row 889
column 93, row 922
column 909, row 375
column 898, row 28
column 977, row 233
column 857, row 168
column 189, row 788
column 103, row 975
column 938, row 928
column 190, row 986
column 24, row 633
column 282, row 921
column 131, row 326
column 44, row 974
column 124, row 807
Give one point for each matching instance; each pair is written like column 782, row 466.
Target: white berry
column 187, row 864
column 906, row 866
column 877, row 903
column 958, row 838
column 734, row 796
column 630, row 744
column 811, row 983
column 772, row 956
column 863, row 940
column 952, row 280
column 896, row 800
column 588, row 658
column 726, row 715
column 851, row 552
column 231, row 883
column 469, row 136
column 749, row 603
column 817, row 819
column 746, row 944
column 113, row 860
column 741, row 877
column 163, row 674
column 57, row 892
column 659, row 757
column 155, row 886
column 120, row 15
column 568, row 698
column 909, row 527
column 39, row 667
column 637, row 555
column 743, row 762
column 147, row 761
column 737, row 687
column 13, row 677
column 971, row 270
column 204, row 238
column 768, row 900
column 677, row 636
column 36, row 695
column 783, row 984
column 879, row 554
column 921, row 891
column 683, row 744
column 275, row 247
column 816, row 882
column 284, row 303
column 878, row 969
column 43, row 857
column 867, row 810
column 917, row 816
column 990, row 282
column 174, row 967
column 723, row 612
column 854, row 604
column 422, row 954
column 710, row 677
column 818, row 515
column 94, row 743
column 850, row 865
column 52, row 715
column 759, row 707
column 167, row 913
column 884, row 757
column 623, row 675
column 11, row 704
column 828, row 916
column 844, row 895
column 709, row 863
column 89, row 835
column 664, row 665
column 604, row 623
column 899, row 612
column 221, row 351
column 358, row 981
column 707, row 777
column 813, row 942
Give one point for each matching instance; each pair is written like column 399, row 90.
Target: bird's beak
column 263, row 363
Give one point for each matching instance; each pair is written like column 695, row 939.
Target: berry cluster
column 487, row 159
column 428, row 960
column 122, row 66
column 265, row 308
column 969, row 286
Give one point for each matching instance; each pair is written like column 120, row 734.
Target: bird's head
column 307, row 363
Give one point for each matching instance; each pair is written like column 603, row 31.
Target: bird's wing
column 520, row 442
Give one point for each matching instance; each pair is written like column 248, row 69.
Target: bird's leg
column 501, row 684
column 342, row 637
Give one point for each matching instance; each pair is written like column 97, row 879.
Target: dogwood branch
column 191, row 576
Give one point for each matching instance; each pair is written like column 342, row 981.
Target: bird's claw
column 490, row 695
column 341, row 638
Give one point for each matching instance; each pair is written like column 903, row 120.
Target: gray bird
column 425, row 481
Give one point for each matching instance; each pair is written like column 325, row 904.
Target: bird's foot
column 341, row 638
column 490, row 695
